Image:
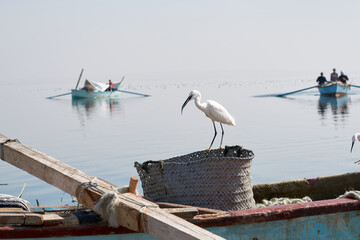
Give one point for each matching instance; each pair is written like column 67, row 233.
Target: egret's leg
column 222, row 135
column 213, row 138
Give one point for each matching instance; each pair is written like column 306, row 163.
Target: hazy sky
column 48, row 40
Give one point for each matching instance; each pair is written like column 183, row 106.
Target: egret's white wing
column 218, row 113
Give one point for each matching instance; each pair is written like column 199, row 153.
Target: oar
column 59, row 95
column 121, row 81
column 284, row 94
column 355, row 86
column 141, row 94
column 79, row 79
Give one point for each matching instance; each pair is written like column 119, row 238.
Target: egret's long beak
column 352, row 145
column 187, row 100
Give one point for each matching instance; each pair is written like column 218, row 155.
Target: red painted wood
column 59, row 231
column 281, row 212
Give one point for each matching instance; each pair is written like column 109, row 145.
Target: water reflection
column 102, row 107
column 339, row 107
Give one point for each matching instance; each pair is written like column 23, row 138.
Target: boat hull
column 77, row 93
column 321, row 219
column 328, row 219
column 337, row 89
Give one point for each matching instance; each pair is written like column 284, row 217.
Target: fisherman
column 321, row 79
column 334, row 76
column 111, row 86
column 343, row 78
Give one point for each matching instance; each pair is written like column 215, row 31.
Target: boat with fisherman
column 97, row 90
column 93, row 90
column 334, row 89
column 101, row 90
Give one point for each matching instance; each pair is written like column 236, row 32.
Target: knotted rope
column 351, row 194
column 90, row 184
column 107, row 207
column 282, row 201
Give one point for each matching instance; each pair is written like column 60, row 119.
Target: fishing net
column 219, row 179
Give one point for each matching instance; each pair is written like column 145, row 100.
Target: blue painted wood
column 343, row 225
column 52, row 209
column 335, row 89
column 77, row 93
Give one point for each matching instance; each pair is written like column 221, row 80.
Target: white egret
column 354, row 137
column 213, row 110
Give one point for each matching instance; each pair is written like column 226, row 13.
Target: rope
column 282, row 201
column 141, row 210
column 351, row 194
column 3, row 144
column 107, row 207
column 85, row 185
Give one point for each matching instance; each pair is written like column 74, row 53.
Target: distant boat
column 334, row 89
column 96, row 90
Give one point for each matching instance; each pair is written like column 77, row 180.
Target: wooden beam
column 315, row 188
column 133, row 212
column 64, row 219
column 22, row 218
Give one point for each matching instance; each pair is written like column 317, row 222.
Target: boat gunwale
column 83, row 94
column 279, row 212
column 329, row 84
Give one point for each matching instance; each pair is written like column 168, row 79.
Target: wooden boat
column 99, row 90
column 96, row 90
column 79, row 93
column 334, row 89
column 326, row 217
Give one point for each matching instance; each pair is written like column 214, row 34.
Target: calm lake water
column 300, row 136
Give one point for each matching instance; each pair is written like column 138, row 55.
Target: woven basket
column 218, row 179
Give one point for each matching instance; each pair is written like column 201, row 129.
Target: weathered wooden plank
column 47, row 168
column 11, row 209
column 201, row 210
column 315, row 188
column 22, row 218
column 154, row 217
column 133, row 212
column 63, row 219
column 188, row 212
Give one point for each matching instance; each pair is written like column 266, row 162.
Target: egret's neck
column 199, row 105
